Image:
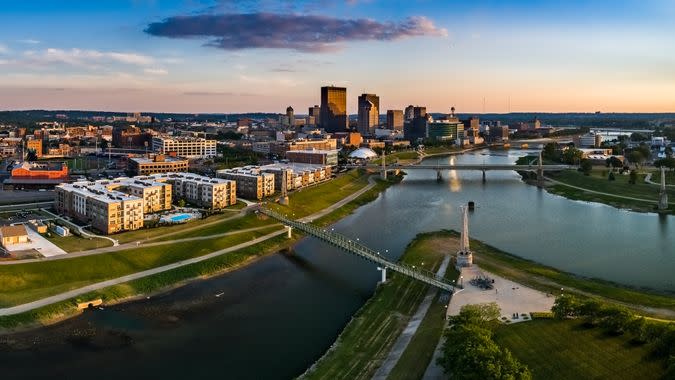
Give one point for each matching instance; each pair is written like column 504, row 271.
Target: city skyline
column 261, row 56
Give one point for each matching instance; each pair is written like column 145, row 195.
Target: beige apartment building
column 252, row 183
column 212, row 193
column 157, row 163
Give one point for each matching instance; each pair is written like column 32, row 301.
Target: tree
column 572, row 156
column 586, row 166
column 636, row 157
column 31, row 155
column 636, row 136
column 668, row 162
column 549, row 151
column 613, row 162
column 632, row 178
column 479, row 314
column 181, row 202
column 611, row 176
column 565, row 306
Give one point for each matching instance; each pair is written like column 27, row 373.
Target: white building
column 188, row 147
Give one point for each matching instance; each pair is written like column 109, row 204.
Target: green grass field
column 23, row 283
column 77, row 244
column 365, row 342
column 147, row 285
column 565, row 350
column 597, row 181
column 311, row 200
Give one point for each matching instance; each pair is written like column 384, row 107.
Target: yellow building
column 10, row 235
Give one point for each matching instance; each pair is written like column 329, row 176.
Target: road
column 100, row 285
column 135, row 276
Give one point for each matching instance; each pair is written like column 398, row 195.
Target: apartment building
column 188, row 147
column 212, row 193
column 298, row 175
column 157, row 163
column 252, row 183
column 108, row 211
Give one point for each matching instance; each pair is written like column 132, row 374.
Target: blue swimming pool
column 180, row 217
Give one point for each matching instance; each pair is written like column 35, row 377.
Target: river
column 276, row 317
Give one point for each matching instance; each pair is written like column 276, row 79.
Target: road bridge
column 354, row 247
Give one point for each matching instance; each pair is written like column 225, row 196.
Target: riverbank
column 596, row 187
column 548, row 279
column 211, row 267
column 367, row 339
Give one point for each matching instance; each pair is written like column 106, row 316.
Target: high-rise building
column 419, row 111
column 314, row 112
column 290, row 116
column 409, row 112
column 333, row 115
column 395, row 119
column 369, row 114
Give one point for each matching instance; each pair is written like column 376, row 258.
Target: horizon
column 225, row 56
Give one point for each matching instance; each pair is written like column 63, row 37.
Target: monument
column 464, row 255
column 663, row 195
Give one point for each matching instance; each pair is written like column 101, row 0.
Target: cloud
column 218, row 93
column 29, row 41
column 305, row 33
column 156, row 71
column 3, row 49
column 85, row 58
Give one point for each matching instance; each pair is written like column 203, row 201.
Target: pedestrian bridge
column 354, row 247
column 481, row 167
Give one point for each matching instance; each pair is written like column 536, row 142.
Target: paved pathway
column 602, row 193
column 132, row 245
column 404, row 339
column 648, row 179
column 100, row 285
column 337, row 205
column 81, row 229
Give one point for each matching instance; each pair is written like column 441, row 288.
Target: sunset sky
column 232, row 56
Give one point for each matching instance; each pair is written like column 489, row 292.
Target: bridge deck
column 356, row 248
column 466, row 167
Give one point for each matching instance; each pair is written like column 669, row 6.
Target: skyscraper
column 395, row 119
column 409, row 112
column 290, row 116
column 314, row 112
column 369, row 114
column 333, row 115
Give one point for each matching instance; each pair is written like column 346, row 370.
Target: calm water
column 276, row 317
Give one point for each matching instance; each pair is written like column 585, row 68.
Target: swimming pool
column 180, row 217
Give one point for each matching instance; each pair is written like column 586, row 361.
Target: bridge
column 539, row 168
column 360, row 250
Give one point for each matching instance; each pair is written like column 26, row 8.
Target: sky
column 231, row 56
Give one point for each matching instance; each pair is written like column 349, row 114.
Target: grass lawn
column 598, row 181
column 76, row 244
column 566, row 350
column 402, row 157
column 549, row 279
column 416, row 358
column 154, row 233
column 311, row 200
column 367, row 339
column 146, row 285
column 27, row 282
column 670, row 176
column 239, row 223
column 440, row 149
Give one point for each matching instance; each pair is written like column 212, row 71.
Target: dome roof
column 363, row 153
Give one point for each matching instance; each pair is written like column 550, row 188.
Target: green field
column 23, row 283
column 670, row 176
column 597, row 181
column 147, row 285
column 74, row 243
column 564, row 350
column 313, row 199
column 367, row 339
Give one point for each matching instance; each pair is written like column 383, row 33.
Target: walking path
column 510, row 296
column 76, row 292
column 81, row 229
column 404, row 339
column 337, row 205
column 648, row 179
column 132, row 245
column 603, row 193
column 135, row 276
